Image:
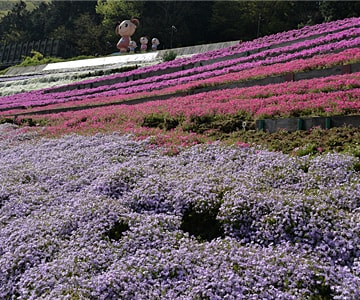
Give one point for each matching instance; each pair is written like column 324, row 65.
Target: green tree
column 246, row 20
column 113, row 11
column 14, row 24
column 88, row 35
column 177, row 23
column 335, row 10
column 232, row 20
column 38, row 25
column 305, row 13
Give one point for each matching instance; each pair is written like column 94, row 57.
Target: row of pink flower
column 331, row 39
column 230, row 102
column 306, row 32
column 300, row 98
column 233, row 74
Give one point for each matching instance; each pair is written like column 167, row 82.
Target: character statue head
column 154, row 43
column 126, row 29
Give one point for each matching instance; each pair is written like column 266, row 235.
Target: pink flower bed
column 332, row 40
column 305, row 33
column 37, row 98
column 303, row 49
column 332, row 95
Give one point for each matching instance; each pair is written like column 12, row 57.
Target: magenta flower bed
column 319, row 96
column 38, row 98
column 330, row 29
column 332, row 40
column 268, row 57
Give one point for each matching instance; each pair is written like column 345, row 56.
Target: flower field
column 106, row 217
column 123, row 186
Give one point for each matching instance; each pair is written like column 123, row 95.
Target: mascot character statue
column 154, row 44
column 132, row 46
column 143, row 41
column 126, row 29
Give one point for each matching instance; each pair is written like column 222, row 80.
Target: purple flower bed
column 106, row 217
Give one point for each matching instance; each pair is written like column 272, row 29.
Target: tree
column 233, row 20
column 88, row 35
column 14, row 25
column 177, row 23
column 38, row 24
column 111, row 12
column 335, row 10
column 174, row 23
column 246, row 20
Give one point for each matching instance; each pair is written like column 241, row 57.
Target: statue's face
column 143, row 40
column 126, row 28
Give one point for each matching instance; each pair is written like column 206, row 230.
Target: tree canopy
column 89, row 25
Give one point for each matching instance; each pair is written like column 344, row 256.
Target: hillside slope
column 229, row 91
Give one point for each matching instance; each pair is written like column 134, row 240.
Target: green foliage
column 162, row 121
column 308, row 149
column 230, row 130
column 202, row 225
column 6, row 120
column 169, row 55
column 357, row 166
column 220, row 123
column 4, row 71
column 89, row 41
column 316, row 141
column 321, row 290
column 199, row 124
column 89, row 25
column 117, row 230
column 36, row 59
column 22, row 121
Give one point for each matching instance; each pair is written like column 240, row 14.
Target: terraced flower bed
column 92, row 97
column 334, row 42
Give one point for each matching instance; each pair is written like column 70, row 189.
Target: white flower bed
column 17, row 85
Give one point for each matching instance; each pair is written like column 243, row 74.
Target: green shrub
column 161, row 121
column 202, row 225
column 37, row 59
column 307, row 149
column 117, row 230
column 169, row 55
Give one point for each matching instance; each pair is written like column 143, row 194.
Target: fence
column 293, row 124
column 12, row 54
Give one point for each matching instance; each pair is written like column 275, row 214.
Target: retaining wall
column 293, row 124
